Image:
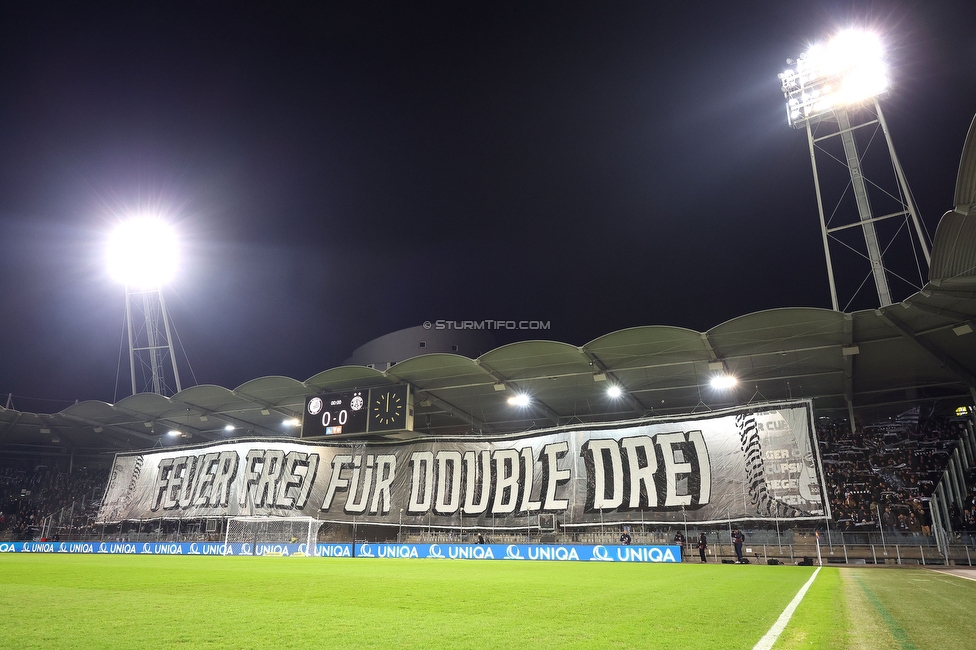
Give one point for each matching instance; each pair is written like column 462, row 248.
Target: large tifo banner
column 745, row 463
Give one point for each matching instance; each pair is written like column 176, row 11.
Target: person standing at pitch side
column 702, row 547
column 679, row 539
column 737, row 539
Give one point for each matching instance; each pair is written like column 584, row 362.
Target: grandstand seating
column 31, row 491
column 891, row 466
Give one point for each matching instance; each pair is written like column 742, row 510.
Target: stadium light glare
column 229, row 427
column 848, row 69
column 613, row 392
column 521, row 400
column 143, row 253
column 291, row 422
column 723, row 382
column 174, row 432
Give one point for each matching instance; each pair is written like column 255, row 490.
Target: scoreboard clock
column 390, row 409
column 378, row 409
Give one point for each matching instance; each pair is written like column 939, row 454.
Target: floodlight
column 846, row 70
column 291, row 422
column 520, row 400
column 229, row 427
column 613, row 392
column 143, row 253
column 174, row 432
column 723, row 382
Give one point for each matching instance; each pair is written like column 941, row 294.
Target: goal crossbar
column 273, row 530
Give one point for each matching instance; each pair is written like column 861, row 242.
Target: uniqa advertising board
column 555, row 552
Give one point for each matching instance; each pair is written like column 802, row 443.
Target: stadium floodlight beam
column 143, row 255
column 830, row 83
column 847, row 70
column 723, row 382
column 520, row 400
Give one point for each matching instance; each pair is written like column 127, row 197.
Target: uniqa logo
column 271, row 549
column 123, row 547
column 214, row 549
column 365, row 551
column 390, row 550
column 7, row 548
column 167, row 549
column 641, row 554
column 332, row 550
column 600, row 554
column 552, row 553
column 512, row 552
column 39, row 548
column 470, row 552
column 435, row 551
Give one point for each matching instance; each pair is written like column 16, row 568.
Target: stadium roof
column 920, row 349
column 873, row 360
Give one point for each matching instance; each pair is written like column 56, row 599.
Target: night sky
column 337, row 174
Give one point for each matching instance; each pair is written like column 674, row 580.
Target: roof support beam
column 7, row 429
column 849, row 368
column 453, row 411
column 948, row 313
column 227, row 419
column 712, row 356
column 536, row 404
column 954, row 366
column 267, row 405
column 635, row 404
column 119, row 430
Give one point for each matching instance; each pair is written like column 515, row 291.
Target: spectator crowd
column 882, row 475
column 32, row 490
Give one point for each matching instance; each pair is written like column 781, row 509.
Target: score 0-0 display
column 388, row 408
column 328, row 415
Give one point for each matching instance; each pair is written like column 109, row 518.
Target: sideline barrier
column 176, row 548
column 568, row 552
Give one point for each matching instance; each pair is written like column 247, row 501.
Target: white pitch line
column 769, row 639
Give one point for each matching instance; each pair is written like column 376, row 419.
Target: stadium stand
column 34, row 491
column 883, row 475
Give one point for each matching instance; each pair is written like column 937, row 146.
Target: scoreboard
column 373, row 410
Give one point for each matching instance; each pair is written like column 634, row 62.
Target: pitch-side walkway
column 969, row 573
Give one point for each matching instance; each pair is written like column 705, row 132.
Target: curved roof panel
column 778, row 330
column 965, row 196
column 440, row 370
column 649, row 345
column 954, row 247
column 345, row 378
column 526, row 359
column 274, row 390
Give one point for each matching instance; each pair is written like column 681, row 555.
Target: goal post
column 273, row 530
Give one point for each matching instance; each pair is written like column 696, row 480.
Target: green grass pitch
column 92, row 601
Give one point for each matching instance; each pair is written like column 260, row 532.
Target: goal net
column 273, row 530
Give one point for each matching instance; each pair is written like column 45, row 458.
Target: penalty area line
column 769, row 639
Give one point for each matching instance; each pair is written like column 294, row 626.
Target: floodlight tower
column 142, row 255
column 832, row 91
